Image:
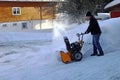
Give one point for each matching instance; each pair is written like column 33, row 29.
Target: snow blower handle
column 82, row 36
column 78, row 35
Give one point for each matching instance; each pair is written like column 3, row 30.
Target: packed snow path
column 24, row 65
column 36, row 61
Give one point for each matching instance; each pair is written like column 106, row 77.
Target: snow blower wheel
column 77, row 56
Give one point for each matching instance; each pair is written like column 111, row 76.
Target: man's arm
column 88, row 29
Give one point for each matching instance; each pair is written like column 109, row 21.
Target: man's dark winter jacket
column 93, row 27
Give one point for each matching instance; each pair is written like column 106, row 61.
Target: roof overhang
column 114, row 6
column 27, row 3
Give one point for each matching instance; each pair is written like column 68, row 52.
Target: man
column 95, row 31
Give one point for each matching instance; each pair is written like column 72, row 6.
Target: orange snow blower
column 73, row 50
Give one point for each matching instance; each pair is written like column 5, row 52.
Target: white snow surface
column 26, row 36
column 113, row 3
column 23, row 59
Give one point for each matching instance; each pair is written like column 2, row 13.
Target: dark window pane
column 24, row 25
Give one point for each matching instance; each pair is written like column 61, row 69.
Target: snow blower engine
column 73, row 50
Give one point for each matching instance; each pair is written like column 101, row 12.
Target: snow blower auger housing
column 73, row 50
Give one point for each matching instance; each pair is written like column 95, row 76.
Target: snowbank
column 103, row 16
column 26, row 36
column 110, row 37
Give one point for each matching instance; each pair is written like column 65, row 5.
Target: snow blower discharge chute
column 73, row 50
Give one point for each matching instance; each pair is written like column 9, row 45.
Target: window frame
column 16, row 9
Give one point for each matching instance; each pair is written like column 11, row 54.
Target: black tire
column 77, row 56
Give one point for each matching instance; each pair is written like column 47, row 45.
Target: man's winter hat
column 89, row 13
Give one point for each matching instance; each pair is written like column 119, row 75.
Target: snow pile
column 110, row 36
column 103, row 16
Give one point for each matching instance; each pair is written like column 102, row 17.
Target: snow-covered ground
column 42, row 35
column 24, row 56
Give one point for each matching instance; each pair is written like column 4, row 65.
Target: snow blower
column 73, row 50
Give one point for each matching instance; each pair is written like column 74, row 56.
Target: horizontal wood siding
column 27, row 13
column 48, row 13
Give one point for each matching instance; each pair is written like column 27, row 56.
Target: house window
column 14, row 24
column 4, row 25
column 24, row 25
column 16, row 11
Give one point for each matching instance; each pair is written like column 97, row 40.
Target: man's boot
column 101, row 54
column 94, row 54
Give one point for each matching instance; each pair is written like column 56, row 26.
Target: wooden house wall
column 27, row 13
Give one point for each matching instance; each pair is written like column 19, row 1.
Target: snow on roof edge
column 111, row 4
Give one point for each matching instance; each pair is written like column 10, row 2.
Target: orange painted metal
column 66, row 57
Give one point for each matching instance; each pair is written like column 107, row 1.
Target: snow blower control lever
column 80, row 38
column 74, row 50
